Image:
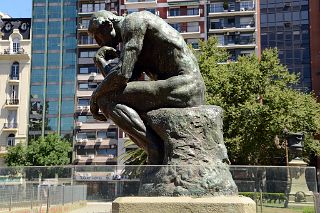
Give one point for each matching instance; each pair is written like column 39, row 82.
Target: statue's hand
column 94, row 108
column 103, row 55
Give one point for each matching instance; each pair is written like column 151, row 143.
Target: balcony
column 10, row 127
column 186, row 32
column 220, row 28
column 191, row 17
column 213, row 12
column 14, row 54
column 133, row 4
column 95, row 159
column 99, row 143
column 12, row 103
column 94, row 125
column 246, row 43
column 14, row 79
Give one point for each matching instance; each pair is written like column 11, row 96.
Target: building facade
column 53, row 71
column 285, row 24
column 235, row 23
column 15, row 57
column 187, row 17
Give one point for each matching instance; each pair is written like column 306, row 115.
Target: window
column 174, row 12
column 193, row 27
column 112, row 133
column 194, row 43
column 193, row 11
column 176, row 26
column 216, row 7
column 11, row 140
column 87, row 54
column 16, row 45
column 14, row 71
column 83, row 102
column 83, row 86
column 246, row 5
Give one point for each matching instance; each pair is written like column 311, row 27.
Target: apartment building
column 96, row 142
column 15, row 56
column 187, row 17
column 235, row 23
column 285, row 24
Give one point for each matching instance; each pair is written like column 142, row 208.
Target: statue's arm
column 132, row 46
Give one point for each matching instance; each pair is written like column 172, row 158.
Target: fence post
column 10, row 204
column 48, row 196
column 32, row 197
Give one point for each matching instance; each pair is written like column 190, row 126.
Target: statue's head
column 101, row 27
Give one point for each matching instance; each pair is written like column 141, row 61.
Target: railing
column 138, row 1
column 10, row 125
column 13, row 51
column 270, row 187
column 14, row 77
column 14, row 101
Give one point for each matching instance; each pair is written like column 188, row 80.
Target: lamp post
column 299, row 192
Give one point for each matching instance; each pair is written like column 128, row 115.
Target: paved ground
column 95, row 207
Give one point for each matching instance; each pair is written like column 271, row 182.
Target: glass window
column 83, row 86
column 68, row 75
column 67, row 107
column 53, row 75
column 36, row 91
column 52, row 91
column 83, row 102
column 70, row 26
column 68, row 90
column 39, row 12
column 174, row 12
column 11, row 140
column 193, row 27
column 51, row 124
column 37, row 75
column 38, row 44
column 54, row 27
column 102, row 134
column 53, row 107
column 53, row 59
column 54, row 11
column 14, row 75
column 193, row 11
column 38, row 28
column 216, row 7
column 16, row 45
column 84, row 70
column 271, row 17
column 66, row 123
column 54, row 43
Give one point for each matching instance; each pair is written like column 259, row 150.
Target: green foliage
column 266, row 197
column 17, row 155
column 259, row 103
column 135, row 156
column 45, row 151
column 309, row 209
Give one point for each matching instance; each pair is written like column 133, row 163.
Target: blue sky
column 16, row 8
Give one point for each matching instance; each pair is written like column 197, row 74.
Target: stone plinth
column 195, row 161
column 218, row 204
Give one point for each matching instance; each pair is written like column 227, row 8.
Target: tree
column 44, row 151
column 258, row 102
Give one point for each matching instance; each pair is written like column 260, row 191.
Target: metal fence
column 40, row 197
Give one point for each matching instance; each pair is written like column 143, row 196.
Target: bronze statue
column 150, row 46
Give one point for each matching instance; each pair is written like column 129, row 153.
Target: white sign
column 94, row 177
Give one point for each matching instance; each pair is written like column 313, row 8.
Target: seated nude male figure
column 151, row 46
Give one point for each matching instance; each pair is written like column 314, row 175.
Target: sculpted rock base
column 195, row 158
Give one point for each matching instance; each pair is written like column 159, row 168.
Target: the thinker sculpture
column 164, row 116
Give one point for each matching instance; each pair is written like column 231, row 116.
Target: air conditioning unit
column 87, row 107
column 242, row 9
column 80, row 107
column 93, row 74
column 79, row 123
column 85, row 140
column 79, row 140
column 99, row 139
column 90, row 156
